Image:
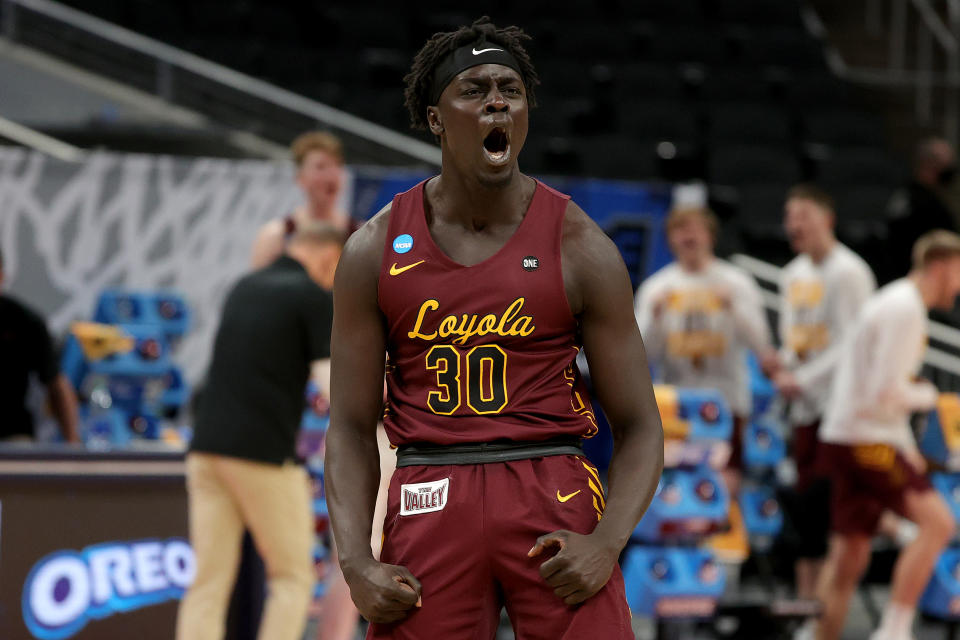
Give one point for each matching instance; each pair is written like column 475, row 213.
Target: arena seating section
column 735, row 92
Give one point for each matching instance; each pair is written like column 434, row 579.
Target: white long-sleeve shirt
column 874, row 391
column 818, row 304
column 707, row 320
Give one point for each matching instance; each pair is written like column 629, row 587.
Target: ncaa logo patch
column 531, row 263
column 403, row 243
column 423, row 497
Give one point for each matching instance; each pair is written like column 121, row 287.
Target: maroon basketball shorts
column 464, row 531
column 866, row 480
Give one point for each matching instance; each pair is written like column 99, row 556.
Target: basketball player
column 821, row 292
column 700, row 316
column 318, row 156
column 867, row 443
column 480, row 284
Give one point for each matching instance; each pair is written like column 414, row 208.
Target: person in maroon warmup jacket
column 482, row 285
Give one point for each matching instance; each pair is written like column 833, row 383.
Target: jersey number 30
column 486, row 373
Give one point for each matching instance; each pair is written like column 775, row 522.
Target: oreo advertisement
column 92, row 557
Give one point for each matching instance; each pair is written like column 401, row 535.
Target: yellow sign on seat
column 674, row 427
column 101, row 340
column 948, row 410
column 733, row 545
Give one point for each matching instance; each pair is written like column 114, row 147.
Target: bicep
column 613, row 345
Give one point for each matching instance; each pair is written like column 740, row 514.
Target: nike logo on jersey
column 476, row 53
column 567, row 497
column 395, row 270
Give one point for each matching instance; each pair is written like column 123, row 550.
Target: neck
column 468, row 199
column 695, row 264
column 820, row 253
column 926, row 286
column 325, row 211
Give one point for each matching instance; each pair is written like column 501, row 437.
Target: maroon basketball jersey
column 486, row 352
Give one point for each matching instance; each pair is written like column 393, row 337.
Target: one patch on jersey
column 403, row 243
column 423, row 497
column 531, row 263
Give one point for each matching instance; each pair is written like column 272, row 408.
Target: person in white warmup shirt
column 821, row 292
column 867, row 443
column 699, row 316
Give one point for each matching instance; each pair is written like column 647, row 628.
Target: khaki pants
column 274, row 503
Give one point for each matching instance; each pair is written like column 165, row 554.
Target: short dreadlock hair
column 420, row 79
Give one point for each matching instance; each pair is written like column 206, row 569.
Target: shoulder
column 371, row 236
column 796, row 265
column 584, row 240
column 734, row 274
column 898, row 300
column 850, row 264
column 593, row 270
column 275, row 229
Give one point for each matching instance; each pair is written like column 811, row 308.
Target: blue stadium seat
column 663, row 582
column 688, row 505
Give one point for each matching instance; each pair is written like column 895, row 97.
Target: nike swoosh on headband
column 476, row 53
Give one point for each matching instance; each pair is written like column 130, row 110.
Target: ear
column 434, row 121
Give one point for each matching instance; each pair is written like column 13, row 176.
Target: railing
column 234, row 99
column 933, row 32
column 941, row 356
column 39, row 141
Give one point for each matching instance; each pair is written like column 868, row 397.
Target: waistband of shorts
column 426, row 454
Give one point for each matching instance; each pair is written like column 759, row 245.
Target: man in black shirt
column 241, row 470
column 25, row 349
column 921, row 207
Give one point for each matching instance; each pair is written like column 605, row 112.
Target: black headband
column 480, row 52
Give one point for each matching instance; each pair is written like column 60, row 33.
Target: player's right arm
column 268, row 245
column 382, row 592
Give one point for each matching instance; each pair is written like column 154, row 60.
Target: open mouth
column 496, row 146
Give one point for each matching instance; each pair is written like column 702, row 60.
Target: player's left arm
column 600, row 295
